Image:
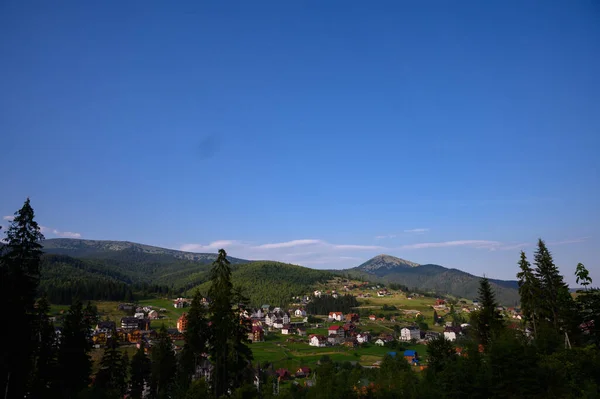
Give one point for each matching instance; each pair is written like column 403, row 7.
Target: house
column 126, row 307
column 318, row 294
column 131, row 323
column 439, row 302
column 363, row 338
column 450, row 333
column 372, row 317
column 380, row 342
column 429, row 335
column 409, row 333
column 352, row 317
column 411, row 356
column 350, row 343
column 286, row 330
column 300, row 312
column 257, row 334
column 302, row 372
column 301, row 331
column 105, row 326
column 282, row 374
column 336, row 330
column 278, row 324
column 317, row 340
column 338, row 316
column 153, row 315
column 178, row 303
column 139, row 315
column 182, row 323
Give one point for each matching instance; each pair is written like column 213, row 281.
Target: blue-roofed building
column 392, row 354
column 411, row 356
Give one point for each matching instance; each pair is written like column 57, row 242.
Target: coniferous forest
column 554, row 352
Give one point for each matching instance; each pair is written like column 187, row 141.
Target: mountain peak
column 384, row 261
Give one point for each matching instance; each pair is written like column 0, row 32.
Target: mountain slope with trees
column 388, row 269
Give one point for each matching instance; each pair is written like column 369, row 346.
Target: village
column 293, row 341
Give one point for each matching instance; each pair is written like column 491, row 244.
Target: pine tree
column 139, row 372
column 43, row 375
column 164, row 366
column 110, row 378
column 555, row 300
column 229, row 353
column 529, row 291
column 19, row 276
column 73, row 355
column 487, row 320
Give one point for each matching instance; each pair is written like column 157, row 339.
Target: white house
column 153, row 314
column 139, row 315
column 362, row 338
column 339, row 316
column 450, row 333
column 317, row 340
column 286, row 330
column 380, row 342
column 300, row 312
column 408, row 333
column 318, row 293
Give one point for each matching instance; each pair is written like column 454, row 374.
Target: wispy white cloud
column 9, row 218
column 302, row 251
column 571, row 241
column 66, row 234
column 289, row 244
column 417, row 231
column 63, row 234
column 385, row 236
column 213, row 246
column 458, row 243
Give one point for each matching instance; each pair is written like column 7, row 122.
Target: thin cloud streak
column 417, row 231
column 459, row 243
column 9, row 218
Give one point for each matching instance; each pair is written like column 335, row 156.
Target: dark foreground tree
column 196, row 338
column 74, row 352
column 139, row 372
column 555, row 300
column 487, row 321
column 228, row 349
column 529, row 291
column 110, row 381
column 164, row 366
column 43, row 373
column 19, row 276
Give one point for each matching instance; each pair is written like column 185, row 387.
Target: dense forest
column 273, row 282
column 326, row 303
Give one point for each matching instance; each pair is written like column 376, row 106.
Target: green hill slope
column 273, row 282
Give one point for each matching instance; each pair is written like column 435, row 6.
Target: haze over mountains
column 132, row 263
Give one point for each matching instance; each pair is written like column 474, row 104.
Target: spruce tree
column 20, row 259
column 73, row 355
column 110, row 378
column 229, row 353
column 529, row 291
column 196, row 338
column 43, row 373
column 139, row 372
column 487, row 320
column 164, row 366
column 555, row 300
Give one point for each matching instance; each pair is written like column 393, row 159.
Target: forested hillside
column 273, row 282
column 438, row 279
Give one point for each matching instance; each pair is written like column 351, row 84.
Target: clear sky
column 314, row 132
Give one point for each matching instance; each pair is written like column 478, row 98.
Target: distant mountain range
column 389, row 269
column 69, row 262
column 108, row 249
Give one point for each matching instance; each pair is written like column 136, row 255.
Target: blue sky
column 314, row 132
